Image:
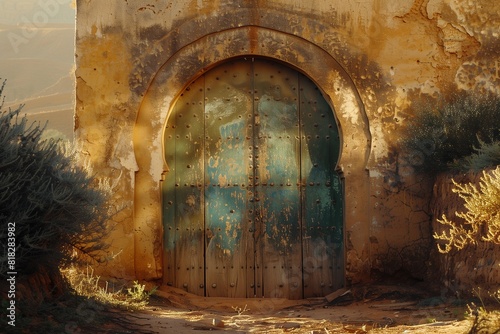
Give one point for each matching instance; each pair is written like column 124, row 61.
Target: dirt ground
column 368, row 309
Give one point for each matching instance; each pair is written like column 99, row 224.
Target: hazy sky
column 33, row 55
column 36, row 12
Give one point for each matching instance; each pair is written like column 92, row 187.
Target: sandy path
column 381, row 309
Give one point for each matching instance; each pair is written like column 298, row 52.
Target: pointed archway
column 196, row 59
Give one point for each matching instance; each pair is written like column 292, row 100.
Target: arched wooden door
column 252, row 202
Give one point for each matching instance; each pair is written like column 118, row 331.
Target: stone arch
column 196, row 58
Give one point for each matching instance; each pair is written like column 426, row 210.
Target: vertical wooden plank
column 184, row 218
column 254, row 196
column 168, row 201
column 226, row 166
column 277, row 158
column 337, row 233
column 322, row 199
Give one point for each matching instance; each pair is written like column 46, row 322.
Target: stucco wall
column 371, row 59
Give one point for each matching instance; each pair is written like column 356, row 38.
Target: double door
column 252, row 202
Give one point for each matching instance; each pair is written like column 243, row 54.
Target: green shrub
column 486, row 155
column 54, row 204
column 444, row 132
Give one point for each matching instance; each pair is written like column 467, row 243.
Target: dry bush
column 85, row 283
column 481, row 220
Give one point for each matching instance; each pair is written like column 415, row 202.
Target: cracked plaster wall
column 133, row 58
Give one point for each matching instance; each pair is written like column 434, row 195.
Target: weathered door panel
column 183, row 191
column 321, row 194
column 252, row 200
column 228, row 139
column 277, row 158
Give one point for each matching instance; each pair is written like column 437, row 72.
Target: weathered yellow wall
column 371, row 59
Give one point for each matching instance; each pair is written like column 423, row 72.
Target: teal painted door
column 252, row 202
